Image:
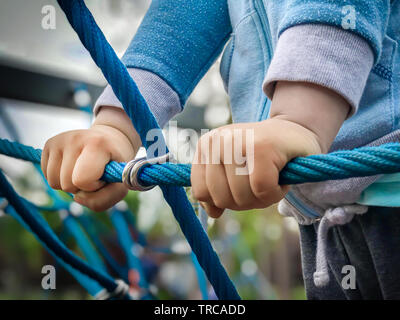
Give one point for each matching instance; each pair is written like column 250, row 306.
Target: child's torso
column 248, row 54
column 245, row 63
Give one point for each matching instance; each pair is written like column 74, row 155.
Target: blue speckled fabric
column 180, row 40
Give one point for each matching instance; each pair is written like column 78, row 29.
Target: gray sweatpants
column 370, row 243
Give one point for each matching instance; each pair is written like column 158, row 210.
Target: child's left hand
column 304, row 120
column 246, row 177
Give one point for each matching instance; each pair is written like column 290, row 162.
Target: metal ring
column 130, row 173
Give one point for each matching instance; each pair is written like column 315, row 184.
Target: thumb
column 212, row 210
column 89, row 168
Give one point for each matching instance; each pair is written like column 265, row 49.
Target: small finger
column 239, row 185
column 218, row 186
column 264, row 182
column 212, row 211
column 67, row 167
column 53, row 169
column 102, row 199
column 198, row 177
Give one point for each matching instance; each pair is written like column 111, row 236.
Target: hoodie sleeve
column 179, row 41
column 330, row 43
column 175, row 45
column 365, row 18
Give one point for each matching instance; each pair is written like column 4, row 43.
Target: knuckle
column 226, row 134
column 69, row 188
column 54, row 142
column 221, row 203
column 96, row 206
column 241, row 202
column 49, row 143
column 200, row 194
column 96, row 141
column 79, row 181
column 263, row 144
column 260, row 187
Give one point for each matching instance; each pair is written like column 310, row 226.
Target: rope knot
column 338, row 216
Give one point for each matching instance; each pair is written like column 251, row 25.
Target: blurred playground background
column 260, row 249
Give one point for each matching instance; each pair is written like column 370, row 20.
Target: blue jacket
column 180, row 40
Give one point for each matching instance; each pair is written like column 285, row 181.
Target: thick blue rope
column 73, row 228
column 143, row 120
column 360, row 162
column 92, row 286
column 39, row 227
column 128, row 245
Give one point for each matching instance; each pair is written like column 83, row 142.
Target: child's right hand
column 74, row 161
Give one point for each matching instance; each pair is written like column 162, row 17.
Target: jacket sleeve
column 330, row 43
column 366, row 18
column 179, row 41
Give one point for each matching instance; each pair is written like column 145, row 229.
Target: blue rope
column 74, row 229
column 201, row 279
column 360, row 162
column 143, row 120
column 30, row 217
column 69, row 223
column 87, row 223
column 89, row 284
column 128, row 245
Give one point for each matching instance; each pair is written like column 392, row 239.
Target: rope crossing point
column 143, row 120
column 360, row 162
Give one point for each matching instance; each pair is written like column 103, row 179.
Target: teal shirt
column 385, row 192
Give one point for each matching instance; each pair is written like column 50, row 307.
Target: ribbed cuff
column 324, row 55
column 162, row 100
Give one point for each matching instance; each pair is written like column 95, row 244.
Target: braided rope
column 45, row 234
column 360, row 162
column 112, row 173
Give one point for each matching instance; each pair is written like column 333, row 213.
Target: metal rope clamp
column 131, row 170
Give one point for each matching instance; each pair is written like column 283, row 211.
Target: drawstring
column 332, row 217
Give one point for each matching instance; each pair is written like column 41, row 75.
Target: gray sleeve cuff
column 162, row 100
column 324, row 55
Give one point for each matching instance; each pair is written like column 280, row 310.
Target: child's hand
column 74, row 161
column 220, row 186
column 304, row 120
